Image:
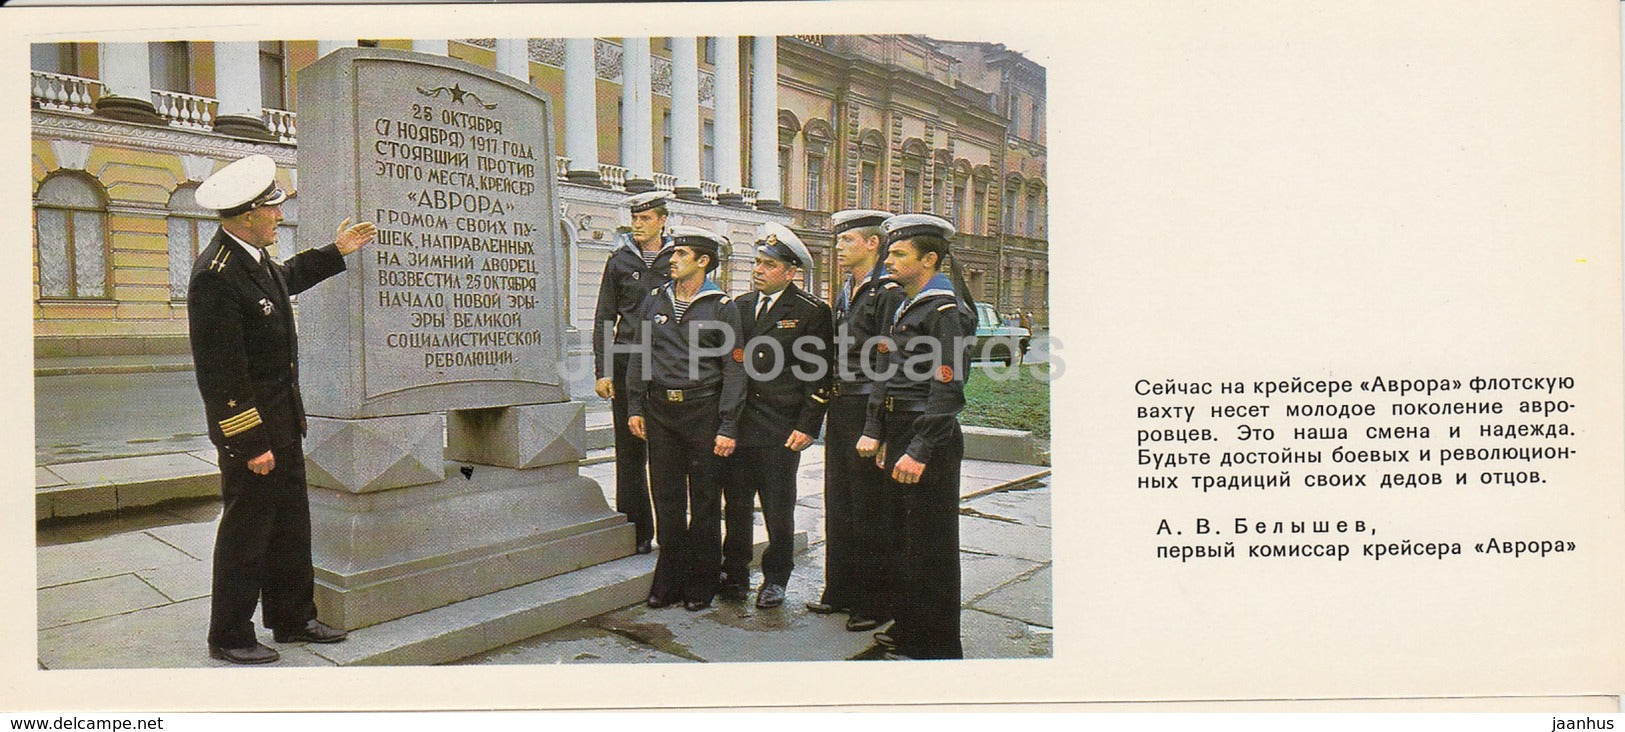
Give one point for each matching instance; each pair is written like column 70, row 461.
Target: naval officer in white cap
column 246, row 357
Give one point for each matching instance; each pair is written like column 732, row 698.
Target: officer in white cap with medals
column 787, row 335
column 862, row 523
column 685, row 390
column 245, row 354
column 913, row 432
column 639, row 265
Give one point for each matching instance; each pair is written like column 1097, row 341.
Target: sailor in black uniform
column 862, row 523
column 787, row 336
column 639, row 265
column 246, row 354
column 685, row 390
column 913, row 431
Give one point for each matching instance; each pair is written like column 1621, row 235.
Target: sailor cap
column 241, row 187
column 907, row 226
column 647, row 200
column 854, row 218
column 700, row 240
column 779, row 242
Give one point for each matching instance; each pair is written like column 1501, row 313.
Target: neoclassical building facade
column 742, row 130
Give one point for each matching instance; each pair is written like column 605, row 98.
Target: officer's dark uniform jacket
column 626, row 285
column 929, row 329
column 669, row 350
column 243, row 343
column 784, row 403
column 864, row 312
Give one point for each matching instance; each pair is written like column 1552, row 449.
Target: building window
column 170, row 66
column 708, row 150
column 784, row 172
column 815, row 182
column 272, row 94
column 866, row 185
column 1009, row 217
column 1032, row 215
column 620, row 119
column 1037, row 120
column 960, row 214
column 56, row 58
column 911, row 190
column 710, row 46
column 939, row 191
column 665, row 142
column 188, row 223
column 979, row 208
column 70, row 233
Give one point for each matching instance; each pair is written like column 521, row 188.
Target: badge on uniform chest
column 636, row 276
column 265, row 305
column 788, row 323
column 660, row 318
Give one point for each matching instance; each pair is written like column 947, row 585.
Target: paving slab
column 195, row 539
column 114, row 555
column 990, row 636
column 180, row 582
column 580, row 642
column 735, row 631
column 980, row 574
column 1003, row 538
column 1027, row 599
column 1031, row 507
column 44, row 478
column 167, row 636
column 132, row 469
column 97, row 598
column 978, row 477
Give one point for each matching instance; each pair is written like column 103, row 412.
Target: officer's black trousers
column 631, row 461
column 925, row 594
column 685, row 479
column 262, row 549
column 768, row 471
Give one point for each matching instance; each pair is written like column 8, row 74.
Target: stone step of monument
column 98, row 486
column 508, row 616
column 600, row 455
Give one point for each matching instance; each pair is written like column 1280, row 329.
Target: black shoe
column 254, row 654
column 771, row 595
column 731, row 589
column 824, row 608
column 657, row 602
column 647, row 546
column 858, row 623
column 315, row 631
column 884, row 640
column 695, row 606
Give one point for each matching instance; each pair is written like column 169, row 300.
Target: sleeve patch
column 240, row 423
column 739, row 355
column 945, row 373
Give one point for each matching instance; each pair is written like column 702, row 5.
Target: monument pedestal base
column 400, row 525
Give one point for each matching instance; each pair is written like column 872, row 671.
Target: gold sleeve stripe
column 241, row 423
column 946, row 306
column 819, row 399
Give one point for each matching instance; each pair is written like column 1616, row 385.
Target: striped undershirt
column 679, row 306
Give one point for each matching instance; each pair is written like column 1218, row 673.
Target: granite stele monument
column 448, row 515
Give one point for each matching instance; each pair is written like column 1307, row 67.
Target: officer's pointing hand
column 635, row 426
column 351, row 238
column 264, row 464
column 798, row 441
column 724, row 446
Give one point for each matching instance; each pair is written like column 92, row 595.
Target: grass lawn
column 1020, row 403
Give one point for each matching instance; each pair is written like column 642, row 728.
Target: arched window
column 189, row 229
column 817, row 138
column 870, row 147
column 70, row 234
